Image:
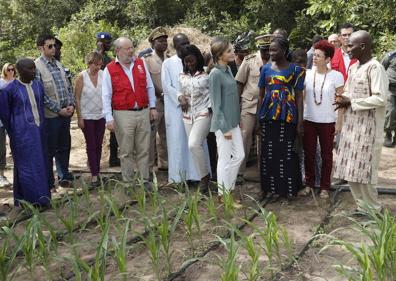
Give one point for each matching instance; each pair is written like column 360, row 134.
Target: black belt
column 137, row 109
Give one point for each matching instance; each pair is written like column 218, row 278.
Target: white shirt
column 91, row 97
column 107, row 89
column 347, row 59
column 324, row 112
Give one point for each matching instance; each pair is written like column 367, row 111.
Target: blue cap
column 103, row 35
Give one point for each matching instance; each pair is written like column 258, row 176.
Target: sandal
column 324, row 194
column 304, row 192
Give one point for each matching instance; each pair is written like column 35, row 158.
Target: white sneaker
column 4, row 182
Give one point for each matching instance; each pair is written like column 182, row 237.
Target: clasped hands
column 342, row 101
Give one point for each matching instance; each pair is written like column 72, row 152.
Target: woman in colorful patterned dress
column 281, row 117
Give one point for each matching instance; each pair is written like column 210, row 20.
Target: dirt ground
column 302, row 218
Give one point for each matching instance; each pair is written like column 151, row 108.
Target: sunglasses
column 50, row 46
column 10, row 69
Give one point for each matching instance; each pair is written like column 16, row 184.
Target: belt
column 137, row 109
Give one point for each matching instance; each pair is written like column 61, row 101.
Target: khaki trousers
column 366, row 193
column 158, row 149
column 248, row 122
column 132, row 130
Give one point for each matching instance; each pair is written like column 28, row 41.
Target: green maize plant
column 141, row 200
column 8, row 254
column 34, row 244
column 154, row 197
column 254, row 254
column 189, row 221
column 120, row 249
column 270, row 236
column 113, row 207
column 154, row 248
column 287, row 243
column 229, row 209
column 99, row 268
column 211, row 207
column 376, row 260
column 68, row 218
column 229, row 265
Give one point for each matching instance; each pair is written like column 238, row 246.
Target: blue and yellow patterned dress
column 278, row 114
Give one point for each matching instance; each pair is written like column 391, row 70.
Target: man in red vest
column 341, row 61
column 129, row 107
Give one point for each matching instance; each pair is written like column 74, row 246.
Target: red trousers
column 325, row 132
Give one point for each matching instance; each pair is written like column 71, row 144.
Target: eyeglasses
column 10, row 69
column 50, row 46
column 318, row 56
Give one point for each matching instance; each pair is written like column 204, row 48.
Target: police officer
column 103, row 43
column 158, row 39
column 247, row 79
column 389, row 62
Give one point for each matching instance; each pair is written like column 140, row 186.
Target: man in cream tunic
column 364, row 98
column 180, row 164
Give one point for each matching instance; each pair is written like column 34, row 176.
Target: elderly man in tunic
column 22, row 113
column 364, row 99
column 180, row 164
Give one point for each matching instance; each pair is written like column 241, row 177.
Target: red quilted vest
column 337, row 63
column 124, row 96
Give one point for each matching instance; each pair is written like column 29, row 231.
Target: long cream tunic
column 360, row 147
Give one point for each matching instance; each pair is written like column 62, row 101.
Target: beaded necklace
column 321, row 88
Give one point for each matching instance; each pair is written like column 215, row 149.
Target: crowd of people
column 198, row 114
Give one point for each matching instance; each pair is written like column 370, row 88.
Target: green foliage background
column 75, row 22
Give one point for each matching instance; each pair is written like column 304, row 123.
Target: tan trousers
column 248, row 122
column 132, row 130
column 158, row 149
column 366, row 193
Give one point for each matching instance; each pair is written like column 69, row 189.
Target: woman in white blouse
column 321, row 87
column 195, row 104
column 88, row 91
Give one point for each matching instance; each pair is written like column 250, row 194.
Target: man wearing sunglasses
column 59, row 107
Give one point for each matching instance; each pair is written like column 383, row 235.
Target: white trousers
column 366, row 193
column 231, row 154
column 196, row 134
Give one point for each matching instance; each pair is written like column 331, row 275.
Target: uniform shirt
column 279, row 101
column 154, row 65
column 107, row 89
column 196, row 89
column 64, row 92
column 249, row 75
column 389, row 63
column 225, row 100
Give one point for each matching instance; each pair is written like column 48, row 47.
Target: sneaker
column 388, row 140
column 324, row 194
column 66, row 183
column 4, row 182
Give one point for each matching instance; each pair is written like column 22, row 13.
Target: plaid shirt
column 64, row 92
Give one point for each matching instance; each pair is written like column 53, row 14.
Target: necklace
column 321, row 88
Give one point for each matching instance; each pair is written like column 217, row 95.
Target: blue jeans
column 58, row 142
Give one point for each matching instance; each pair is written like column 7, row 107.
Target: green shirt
column 225, row 100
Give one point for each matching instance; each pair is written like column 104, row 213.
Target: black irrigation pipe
column 334, row 204
column 214, row 244
column 380, row 189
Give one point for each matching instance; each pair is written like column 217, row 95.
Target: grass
column 211, row 207
column 192, row 218
column 254, row 253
